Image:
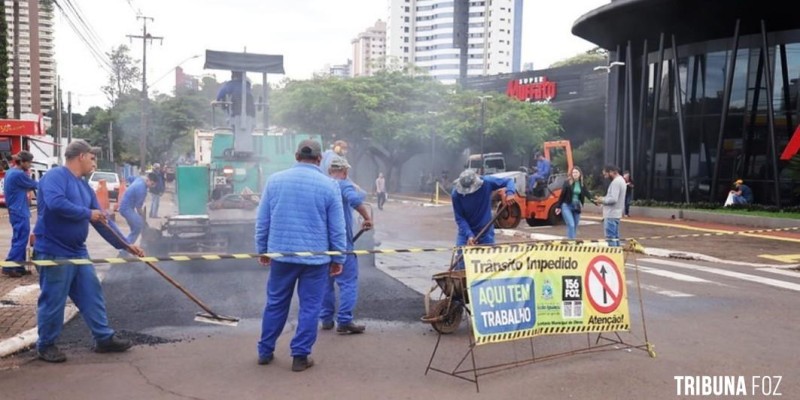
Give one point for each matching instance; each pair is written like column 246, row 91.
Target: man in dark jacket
column 157, row 189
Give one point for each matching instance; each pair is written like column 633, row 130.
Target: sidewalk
column 18, row 296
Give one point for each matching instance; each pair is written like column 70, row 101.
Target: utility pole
column 69, row 117
column 145, row 37
column 111, row 141
column 16, row 79
column 59, row 118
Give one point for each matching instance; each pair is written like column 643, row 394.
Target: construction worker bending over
column 472, row 206
column 132, row 202
column 352, row 199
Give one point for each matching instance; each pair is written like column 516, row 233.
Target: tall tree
column 392, row 116
column 125, row 74
column 3, row 62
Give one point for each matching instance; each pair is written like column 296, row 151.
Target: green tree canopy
column 391, row 116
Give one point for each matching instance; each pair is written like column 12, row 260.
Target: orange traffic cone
column 120, row 193
column 102, row 195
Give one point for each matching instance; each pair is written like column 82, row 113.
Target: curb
column 28, row 338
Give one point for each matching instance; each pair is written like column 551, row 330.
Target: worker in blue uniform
column 352, row 199
column 541, row 173
column 300, row 211
column 472, row 206
column 130, row 207
column 66, row 207
column 17, row 185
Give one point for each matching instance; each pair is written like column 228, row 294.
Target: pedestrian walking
column 628, row 193
column 16, row 186
column 472, row 206
column 66, row 207
column 347, row 281
column 380, row 189
column 130, row 207
column 300, row 210
column 570, row 202
column 613, row 204
column 157, row 190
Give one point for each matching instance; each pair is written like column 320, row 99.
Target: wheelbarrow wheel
column 450, row 313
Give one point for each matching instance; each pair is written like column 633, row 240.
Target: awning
column 247, row 62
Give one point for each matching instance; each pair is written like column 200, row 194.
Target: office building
column 369, row 50
column 705, row 93
column 36, row 54
column 423, row 33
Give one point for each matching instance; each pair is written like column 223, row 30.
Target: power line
column 79, row 13
column 130, row 3
column 96, row 53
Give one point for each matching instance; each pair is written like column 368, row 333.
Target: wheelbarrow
column 446, row 314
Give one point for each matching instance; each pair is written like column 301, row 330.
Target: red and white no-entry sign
column 603, row 283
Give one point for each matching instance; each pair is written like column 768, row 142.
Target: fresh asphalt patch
column 145, row 308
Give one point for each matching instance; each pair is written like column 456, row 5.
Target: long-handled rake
column 209, row 316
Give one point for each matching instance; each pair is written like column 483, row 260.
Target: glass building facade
column 689, row 117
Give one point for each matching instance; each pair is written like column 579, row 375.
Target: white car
column 112, row 182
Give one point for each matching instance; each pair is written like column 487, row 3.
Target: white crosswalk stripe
column 670, row 274
column 779, row 271
column 727, row 273
column 661, row 291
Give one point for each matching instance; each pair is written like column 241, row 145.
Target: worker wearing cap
column 66, row 207
column 352, row 199
column 300, row 211
column 472, row 206
column 16, row 186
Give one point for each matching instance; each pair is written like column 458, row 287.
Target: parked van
column 492, row 163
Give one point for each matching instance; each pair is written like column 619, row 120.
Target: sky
column 309, row 34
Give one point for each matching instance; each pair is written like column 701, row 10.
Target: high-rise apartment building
column 421, row 33
column 369, row 50
column 37, row 64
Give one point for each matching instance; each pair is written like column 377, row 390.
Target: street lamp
column 608, row 67
column 173, row 68
column 483, row 125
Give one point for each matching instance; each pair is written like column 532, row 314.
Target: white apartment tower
column 420, row 33
column 36, row 54
column 369, row 50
